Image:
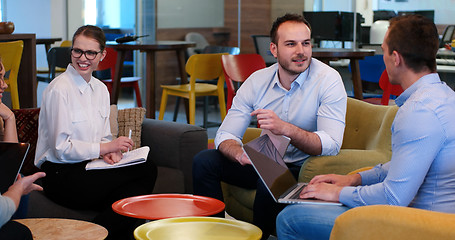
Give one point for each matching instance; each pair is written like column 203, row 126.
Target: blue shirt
column 316, row 103
column 421, row 172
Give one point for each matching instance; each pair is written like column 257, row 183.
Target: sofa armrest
column 346, row 161
column 393, row 222
column 173, row 145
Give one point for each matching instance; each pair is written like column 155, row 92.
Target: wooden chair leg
column 163, row 104
column 138, row 94
column 222, row 103
column 192, row 108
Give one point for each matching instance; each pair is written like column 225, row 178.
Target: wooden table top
column 63, row 229
column 151, row 45
column 342, row 53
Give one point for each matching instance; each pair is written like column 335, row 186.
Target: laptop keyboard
column 297, row 193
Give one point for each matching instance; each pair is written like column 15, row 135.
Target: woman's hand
column 23, row 186
column 112, row 158
column 120, row 144
column 5, row 112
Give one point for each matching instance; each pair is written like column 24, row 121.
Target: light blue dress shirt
column 421, row 172
column 316, row 103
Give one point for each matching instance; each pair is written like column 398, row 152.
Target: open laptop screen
column 12, row 157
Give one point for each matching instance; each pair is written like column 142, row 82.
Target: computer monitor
column 324, row 25
column 347, row 26
column 383, row 15
column 333, row 26
column 426, row 13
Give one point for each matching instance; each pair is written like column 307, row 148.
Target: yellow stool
column 199, row 228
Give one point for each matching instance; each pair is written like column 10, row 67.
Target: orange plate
column 160, row 206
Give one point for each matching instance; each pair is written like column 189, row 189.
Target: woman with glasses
column 74, row 129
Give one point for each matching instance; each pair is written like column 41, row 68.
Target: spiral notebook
column 129, row 158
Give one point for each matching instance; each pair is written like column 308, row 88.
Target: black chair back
column 58, row 57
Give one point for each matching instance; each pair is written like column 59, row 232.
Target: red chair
column 109, row 63
column 237, row 68
column 388, row 88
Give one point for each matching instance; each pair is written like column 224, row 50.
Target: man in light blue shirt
column 299, row 97
column 421, row 172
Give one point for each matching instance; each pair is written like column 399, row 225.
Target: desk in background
column 354, row 55
column 26, row 79
column 150, row 49
column 47, row 42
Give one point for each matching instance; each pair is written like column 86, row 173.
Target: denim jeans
column 307, row 221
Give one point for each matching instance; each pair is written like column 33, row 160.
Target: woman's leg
column 307, row 221
column 72, row 186
column 15, row 231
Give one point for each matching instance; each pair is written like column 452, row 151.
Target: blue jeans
column 307, row 221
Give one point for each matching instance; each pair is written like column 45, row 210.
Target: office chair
column 109, row 63
column 200, row 41
column 208, row 49
column 237, row 68
column 262, row 45
column 11, row 54
column 221, row 49
column 449, row 34
column 203, row 67
column 58, row 57
column 44, row 73
column 388, row 88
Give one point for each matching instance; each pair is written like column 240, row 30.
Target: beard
column 286, row 65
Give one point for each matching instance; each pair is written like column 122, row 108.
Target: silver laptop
column 12, row 156
column 274, row 173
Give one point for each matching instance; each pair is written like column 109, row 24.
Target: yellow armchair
column 393, row 223
column 366, row 142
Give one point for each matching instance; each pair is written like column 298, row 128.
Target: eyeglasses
column 89, row 54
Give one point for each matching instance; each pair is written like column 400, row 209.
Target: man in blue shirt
column 298, row 97
column 421, row 172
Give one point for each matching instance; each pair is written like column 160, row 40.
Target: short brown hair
column 416, row 38
column 288, row 17
column 92, row 32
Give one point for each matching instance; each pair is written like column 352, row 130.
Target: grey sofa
column 172, row 147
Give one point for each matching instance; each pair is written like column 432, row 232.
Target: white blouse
column 73, row 120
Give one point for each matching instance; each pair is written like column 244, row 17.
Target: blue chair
column 371, row 68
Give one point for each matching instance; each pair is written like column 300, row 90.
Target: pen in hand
column 129, row 136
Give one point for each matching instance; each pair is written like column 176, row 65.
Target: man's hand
column 268, row 119
column 338, row 180
column 234, row 151
column 323, row 191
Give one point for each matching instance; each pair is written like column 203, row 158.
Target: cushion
column 113, row 119
column 131, row 118
column 27, row 132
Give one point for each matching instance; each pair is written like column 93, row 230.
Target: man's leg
column 210, row 167
column 266, row 208
column 307, row 221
